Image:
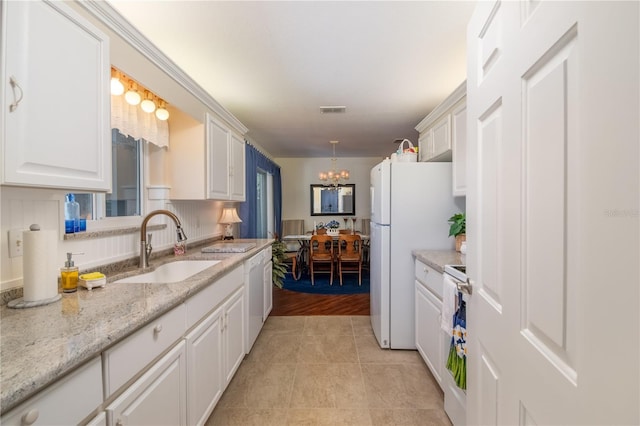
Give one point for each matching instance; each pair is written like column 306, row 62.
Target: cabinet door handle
column 16, row 99
column 30, row 417
column 119, row 423
column 157, row 329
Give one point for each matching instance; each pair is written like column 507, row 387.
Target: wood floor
column 287, row 302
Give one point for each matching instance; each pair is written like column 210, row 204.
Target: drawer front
column 428, row 276
column 205, row 301
column 127, row 358
column 66, row 402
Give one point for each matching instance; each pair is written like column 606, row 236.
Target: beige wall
column 298, row 173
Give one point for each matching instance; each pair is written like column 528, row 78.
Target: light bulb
column 162, row 114
column 117, row 88
column 132, row 96
column 148, row 106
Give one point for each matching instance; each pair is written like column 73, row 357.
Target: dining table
column 302, row 256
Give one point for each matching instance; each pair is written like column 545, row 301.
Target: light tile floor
column 328, row 370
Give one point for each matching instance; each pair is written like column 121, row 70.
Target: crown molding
column 455, row 96
column 110, row 17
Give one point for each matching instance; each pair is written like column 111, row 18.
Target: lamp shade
column 229, row 215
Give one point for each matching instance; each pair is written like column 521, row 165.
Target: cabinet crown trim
column 459, row 93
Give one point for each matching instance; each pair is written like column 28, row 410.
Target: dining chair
column 349, row 257
column 291, row 254
column 321, row 254
column 365, row 228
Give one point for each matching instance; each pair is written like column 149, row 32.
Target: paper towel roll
column 39, row 271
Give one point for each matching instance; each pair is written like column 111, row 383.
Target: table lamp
column 228, row 218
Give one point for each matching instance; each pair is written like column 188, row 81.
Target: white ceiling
column 273, row 64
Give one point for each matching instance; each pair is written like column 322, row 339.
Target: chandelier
column 334, row 177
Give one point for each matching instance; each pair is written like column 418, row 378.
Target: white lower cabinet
column 204, row 368
column 129, row 357
column 233, row 329
column 159, row 397
column 66, row 402
column 428, row 332
column 171, row 371
column 431, row 341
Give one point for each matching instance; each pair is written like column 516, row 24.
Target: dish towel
column 457, row 361
column 448, row 304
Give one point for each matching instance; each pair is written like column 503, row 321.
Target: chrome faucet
column 145, row 244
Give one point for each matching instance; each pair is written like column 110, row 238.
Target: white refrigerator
column 410, row 206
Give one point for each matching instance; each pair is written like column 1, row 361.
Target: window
column 261, row 204
column 125, row 197
column 126, row 174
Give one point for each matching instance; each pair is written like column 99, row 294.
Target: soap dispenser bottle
column 69, row 275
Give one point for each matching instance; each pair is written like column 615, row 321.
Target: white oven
column 455, row 399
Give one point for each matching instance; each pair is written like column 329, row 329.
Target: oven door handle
column 466, row 288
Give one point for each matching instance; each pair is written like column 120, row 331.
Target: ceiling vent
column 333, row 109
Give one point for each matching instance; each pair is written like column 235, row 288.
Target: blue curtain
column 248, row 210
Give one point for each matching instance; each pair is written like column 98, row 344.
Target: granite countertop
column 438, row 258
column 39, row 345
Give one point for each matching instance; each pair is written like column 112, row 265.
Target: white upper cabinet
column 205, row 160
column 226, row 162
column 436, row 128
column 441, row 137
column 459, row 148
column 218, row 154
column 237, row 169
column 55, row 98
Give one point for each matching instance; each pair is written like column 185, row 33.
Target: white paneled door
column 553, row 213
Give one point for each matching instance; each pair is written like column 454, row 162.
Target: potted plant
column 458, row 228
column 278, row 249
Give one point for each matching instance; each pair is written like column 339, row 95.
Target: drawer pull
column 30, row 417
column 157, row 329
column 426, row 271
column 119, row 423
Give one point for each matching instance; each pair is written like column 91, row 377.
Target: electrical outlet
column 15, row 242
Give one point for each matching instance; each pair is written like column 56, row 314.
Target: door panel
column 549, row 97
column 379, row 306
column 553, row 148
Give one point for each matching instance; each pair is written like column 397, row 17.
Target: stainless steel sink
column 171, row 272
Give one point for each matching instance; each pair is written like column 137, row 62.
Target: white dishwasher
column 254, row 286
